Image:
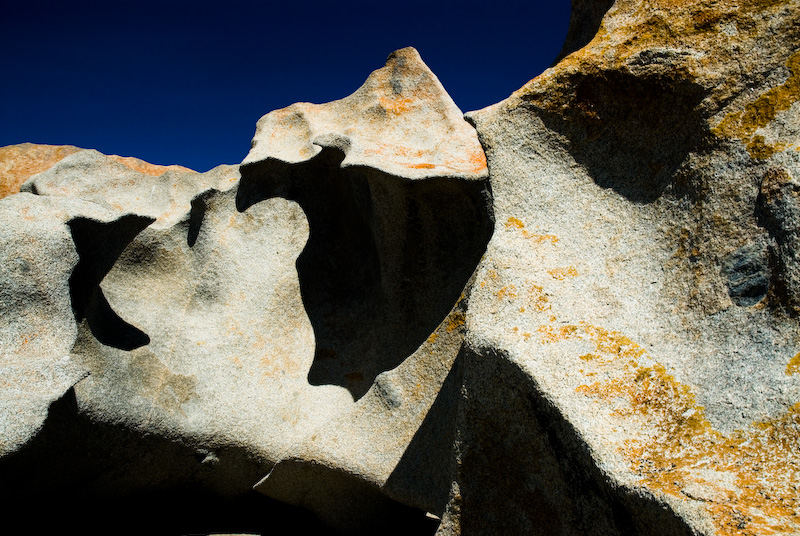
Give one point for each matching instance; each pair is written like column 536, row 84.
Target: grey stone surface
column 636, row 286
column 283, row 326
column 598, row 334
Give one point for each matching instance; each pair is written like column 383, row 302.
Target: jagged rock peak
column 401, row 121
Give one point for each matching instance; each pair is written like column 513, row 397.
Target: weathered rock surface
column 597, row 335
column 288, row 330
column 19, row 162
column 639, row 291
column 400, row 121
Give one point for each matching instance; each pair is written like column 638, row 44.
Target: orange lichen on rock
column 538, row 298
column 747, row 481
column 145, row 167
column 456, row 321
column 388, row 150
column 19, row 162
column 396, row 105
column 401, row 121
column 508, row 292
column 563, row 273
column 540, row 238
column 514, row 223
column 550, row 334
column 422, row 166
column 478, row 160
column 683, row 44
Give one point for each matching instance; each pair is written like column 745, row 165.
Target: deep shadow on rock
column 99, row 245
column 345, row 501
column 421, row 466
column 524, row 468
column 97, row 478
column 630, row 132
column 584, row 22
column 386, row 259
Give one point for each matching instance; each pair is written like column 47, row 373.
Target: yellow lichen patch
column 540, row 238
column 607, row 342
column 753, row 488
column 743, row 124
column 552, row 334
column 612, row 342
column 747, row 480
column 514, row 223
column 538, row 299
column 455, row 321
column 509, row 292
column 563, row 273
column 758, row 148
column 793, row 367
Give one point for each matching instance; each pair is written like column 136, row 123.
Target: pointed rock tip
column 401, row 121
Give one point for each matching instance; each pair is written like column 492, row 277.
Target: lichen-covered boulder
column 640, row 289
column 597, row 334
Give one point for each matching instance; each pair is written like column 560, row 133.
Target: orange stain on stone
column 746, row 481
column 563, row 273
column 20, row 162
column 422, row 166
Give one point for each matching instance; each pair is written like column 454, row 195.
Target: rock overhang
column 400, row 121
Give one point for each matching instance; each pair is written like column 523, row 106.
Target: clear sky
column 184, row 82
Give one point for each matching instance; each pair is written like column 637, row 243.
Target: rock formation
column 642, row 277
column 592, row 329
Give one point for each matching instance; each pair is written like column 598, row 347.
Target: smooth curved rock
column 20, row 162
column 37, row 326
column 326, row 325
column 289, row 330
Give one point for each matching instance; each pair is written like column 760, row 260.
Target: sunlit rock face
column 283, row 325
column 642, row 278
column 19, row 162
column 574, row 312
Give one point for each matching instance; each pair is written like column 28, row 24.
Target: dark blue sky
column 184, row 82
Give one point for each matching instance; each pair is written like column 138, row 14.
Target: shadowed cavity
column 386, row 259
column 99, row 245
